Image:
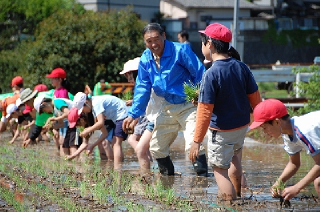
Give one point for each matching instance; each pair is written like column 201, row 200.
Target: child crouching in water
column 298, row 133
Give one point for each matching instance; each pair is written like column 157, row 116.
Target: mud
column 262, row 164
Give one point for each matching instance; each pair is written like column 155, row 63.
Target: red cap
column 16, row 81
column 27, row 109
column 73, row 117
column 57, row 73
column 41, row 87
column 218, row 32
column 268, row 110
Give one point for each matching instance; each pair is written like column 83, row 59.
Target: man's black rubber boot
column 165, row 166
column 200, row 166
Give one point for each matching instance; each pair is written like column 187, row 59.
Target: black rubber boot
column 165, row 166
column 200, row 166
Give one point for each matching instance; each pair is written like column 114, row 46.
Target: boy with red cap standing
column 298, row 133
column 227, row 93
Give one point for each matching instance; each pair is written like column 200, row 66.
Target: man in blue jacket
column 165, row 66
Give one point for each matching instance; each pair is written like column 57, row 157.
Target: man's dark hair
column 153, row 27
column 185, row 34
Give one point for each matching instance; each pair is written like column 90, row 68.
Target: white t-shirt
column 306, row 134
column 154, row 106
column 111, row 107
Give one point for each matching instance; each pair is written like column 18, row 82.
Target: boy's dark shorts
column 35, row 132
column 72, row 138
column 118, row 131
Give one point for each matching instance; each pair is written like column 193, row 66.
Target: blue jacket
column 178, row 64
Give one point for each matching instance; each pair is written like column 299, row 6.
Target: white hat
column 37, row 103
column 79, row 100
column 10, row 109
column 131, row 65
column 27, row 94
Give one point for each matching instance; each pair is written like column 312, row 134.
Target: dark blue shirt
column 226, row 84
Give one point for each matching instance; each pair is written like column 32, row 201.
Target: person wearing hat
column 17, row 84
column 227, row 93
column 105, row 107
column 3, row 107
column 78, row 119
column 164, row 67
column 298, row 133
column 59, row 107
column 140, row 139
column 14, row 112
column 59, row 82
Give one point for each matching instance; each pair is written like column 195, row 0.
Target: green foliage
column 310, row 89
column 191, row 91
column 89, row 46
column 127, row 95
column 297, row 37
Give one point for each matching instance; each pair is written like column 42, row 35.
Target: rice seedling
column 192, row 91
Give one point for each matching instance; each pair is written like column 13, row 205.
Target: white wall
column 172, row 11
column 146, row 9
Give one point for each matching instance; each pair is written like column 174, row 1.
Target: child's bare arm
column 290, row 170
column 292, row 191
column 98, row 125
column 82, row 147
column 102, row 138
column 16, row 134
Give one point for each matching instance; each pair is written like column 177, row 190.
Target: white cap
column 79, row 100
column 10, row 109
column 37, row 103
column 131, row 65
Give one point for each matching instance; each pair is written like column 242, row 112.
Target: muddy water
column 262, row 164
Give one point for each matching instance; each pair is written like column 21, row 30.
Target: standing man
column 164, row 67
column 183, row 37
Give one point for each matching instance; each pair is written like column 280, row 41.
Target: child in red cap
column 298, row 133
column 58, row 80
column 17, row 84
column 228, row 92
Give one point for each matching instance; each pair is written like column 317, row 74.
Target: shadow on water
column 262, row 164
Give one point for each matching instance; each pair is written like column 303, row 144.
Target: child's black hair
column 284, row 118
column 135, row 74
column 20, row 85
column 232, row 52
column 220, row 46
column 65, row 83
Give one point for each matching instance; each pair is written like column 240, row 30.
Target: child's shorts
column 63, row 131
column 223, row 145
column 150, row 126
column 109, row 125
column 72, row 138
column 118, row 131
column 35, row 132
column 141, row 126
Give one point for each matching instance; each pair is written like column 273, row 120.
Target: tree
column 310, row 89
column 22, row 16
column 88, row 46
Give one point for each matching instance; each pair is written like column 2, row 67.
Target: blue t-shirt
column 111, row 107
column 226, row 85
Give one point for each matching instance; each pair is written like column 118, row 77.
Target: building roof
column 243, row 4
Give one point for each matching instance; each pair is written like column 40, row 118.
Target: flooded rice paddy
column 37, row 179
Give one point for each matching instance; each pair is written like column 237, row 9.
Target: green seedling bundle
column 192, row 91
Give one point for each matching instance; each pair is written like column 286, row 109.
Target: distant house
column 145, row 9
column 198, row 14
